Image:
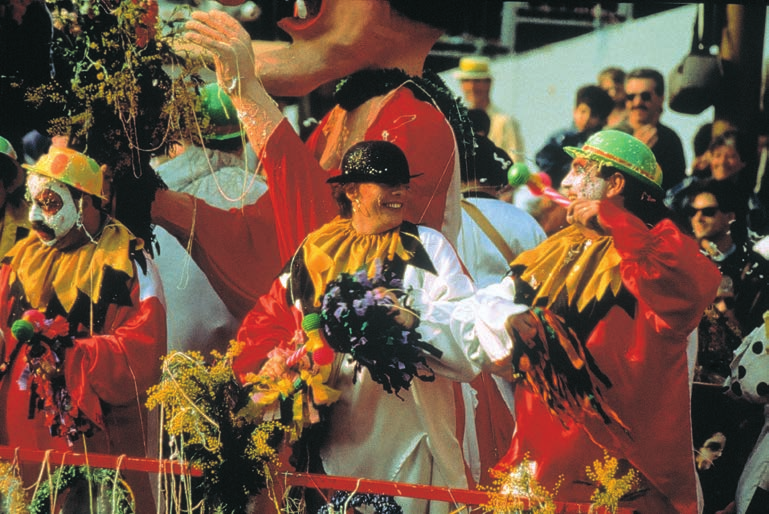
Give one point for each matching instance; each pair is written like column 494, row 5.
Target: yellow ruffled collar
column 337, row 248
column 586, row 267
column 45, row 271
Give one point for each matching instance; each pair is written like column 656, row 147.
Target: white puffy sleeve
column 478, row 323
column 434, row 297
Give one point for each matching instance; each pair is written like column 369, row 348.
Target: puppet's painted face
column 330, row 40
column 53, row 212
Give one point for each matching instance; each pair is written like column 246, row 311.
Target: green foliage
column 115, row 497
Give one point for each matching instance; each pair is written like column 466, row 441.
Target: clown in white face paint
column 584, row 181
column 53, row 213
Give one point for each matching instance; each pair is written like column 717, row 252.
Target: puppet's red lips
column 305, row 12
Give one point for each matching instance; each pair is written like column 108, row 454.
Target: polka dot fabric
column 750, row 368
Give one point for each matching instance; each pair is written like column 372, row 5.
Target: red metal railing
column 327, row 482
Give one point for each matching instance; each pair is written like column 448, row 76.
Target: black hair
column 480, row 120
column 702, row 138
column 339, row 194
column 97, row 202
column 8, row 170
column 491, row 164
column 649, row 73
column 730, row 199
column 229, row 145
column 441, row 14
column 640, row 198
column 597, row 99
column 727, row 197
column 738, row 140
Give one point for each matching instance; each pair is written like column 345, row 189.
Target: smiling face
column 725, row 161
column 377, row 207
column 584, row 181
column 708, row 222
column 53, row 212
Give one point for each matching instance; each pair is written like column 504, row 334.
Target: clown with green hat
column 603, row 348
column 623, row 152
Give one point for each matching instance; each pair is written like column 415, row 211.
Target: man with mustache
column 604, row 350
column 645, row 96
column 96, row 325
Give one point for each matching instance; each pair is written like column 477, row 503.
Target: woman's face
column 725, row 161
column 377, row 207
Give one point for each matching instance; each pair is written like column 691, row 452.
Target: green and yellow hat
column 622, row 151
column 72, row 168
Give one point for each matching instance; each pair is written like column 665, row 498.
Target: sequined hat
column 374, row 161
column 72, row 168
column 622, row 151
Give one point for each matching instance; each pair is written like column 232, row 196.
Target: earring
column 79, row 221
column 356, row 205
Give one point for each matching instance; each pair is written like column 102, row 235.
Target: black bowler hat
column 374, row 161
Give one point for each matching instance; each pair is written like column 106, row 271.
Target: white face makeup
column 584, row 181
column 53, row 212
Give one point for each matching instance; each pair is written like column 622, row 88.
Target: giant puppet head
column 331, row 39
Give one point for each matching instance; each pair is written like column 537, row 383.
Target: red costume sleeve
column 662, row 268
column 241, row 251
column 122, row 364
column 425, row 136
column 272, row 322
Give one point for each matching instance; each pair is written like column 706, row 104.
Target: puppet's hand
column 224, row 38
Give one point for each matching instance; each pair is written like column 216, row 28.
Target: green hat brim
column 224, row 137
column 612, row 161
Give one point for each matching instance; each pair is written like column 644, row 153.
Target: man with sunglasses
column 711, row 212
column 737, row 309
column 645, row 96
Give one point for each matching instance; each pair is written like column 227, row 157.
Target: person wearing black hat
column 377, row 51
column 493, row 233
column 371, row 434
